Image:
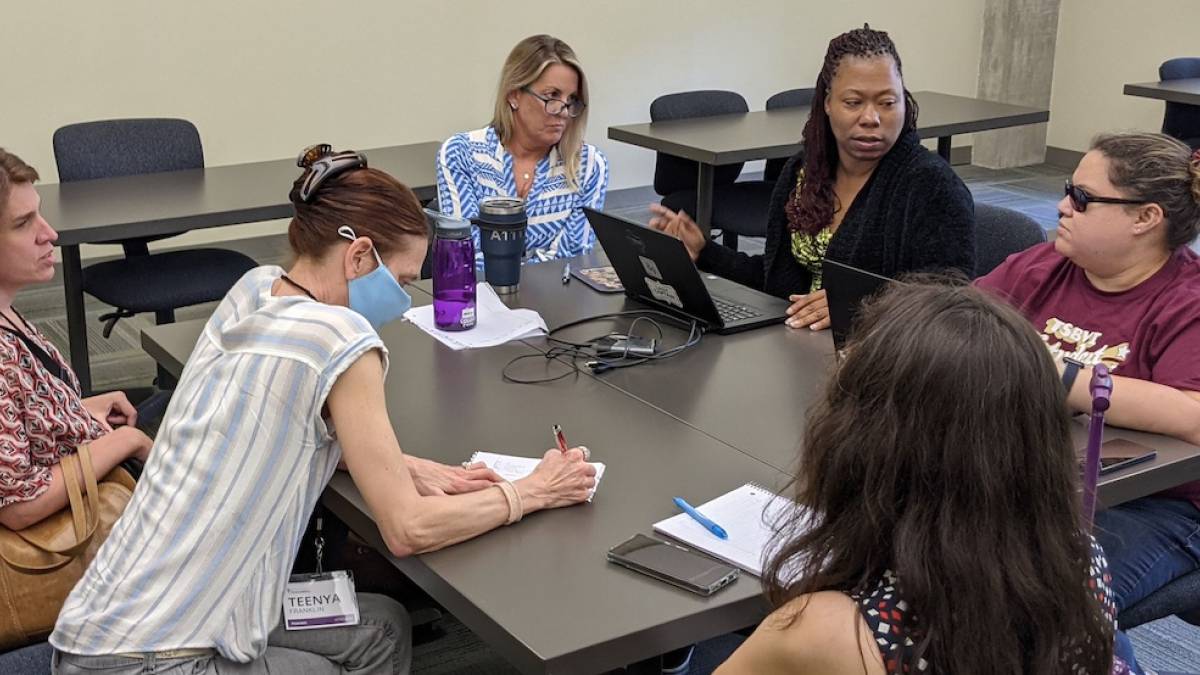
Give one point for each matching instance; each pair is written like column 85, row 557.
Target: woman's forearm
column 443, row 520
column 107, row 452
column 1143, row 405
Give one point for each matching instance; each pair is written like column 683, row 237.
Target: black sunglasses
column 1080, row 199
column 320, row 163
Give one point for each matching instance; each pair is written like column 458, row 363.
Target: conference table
column 726, row 412
column 156, row 204
column 541, row 592
column 750, row 389
column 1173, row 91
column 768, row 134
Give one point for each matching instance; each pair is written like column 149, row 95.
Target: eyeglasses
column 1080, row 198
column 320, row 163
column 556, row 107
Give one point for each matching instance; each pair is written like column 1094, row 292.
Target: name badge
column 320, row 601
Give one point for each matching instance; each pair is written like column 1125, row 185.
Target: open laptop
column 846, row 288
column 655, row 269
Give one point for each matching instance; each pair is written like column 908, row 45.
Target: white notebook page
column 746, row 514
column 512, row 468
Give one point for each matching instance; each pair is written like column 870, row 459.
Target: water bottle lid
column 501, row 206
column 449, row 227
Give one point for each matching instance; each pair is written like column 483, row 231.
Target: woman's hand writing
column 560, row 479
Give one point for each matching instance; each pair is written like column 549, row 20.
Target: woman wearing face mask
column 533, row 149
column 192, row 577
column 862, row 191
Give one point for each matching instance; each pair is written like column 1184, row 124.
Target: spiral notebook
column 746, row 514
column 513, row 468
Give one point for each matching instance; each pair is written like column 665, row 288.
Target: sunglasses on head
column 1080, row 198
column 320, row 163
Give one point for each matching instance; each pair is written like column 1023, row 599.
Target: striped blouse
column 202, row 554
column 474, row 165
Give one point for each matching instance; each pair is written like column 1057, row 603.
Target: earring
column 512, row 105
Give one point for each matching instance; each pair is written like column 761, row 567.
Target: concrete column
column 1016, row 65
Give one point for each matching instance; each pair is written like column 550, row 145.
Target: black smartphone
column 673, row 564
column 1120, row 453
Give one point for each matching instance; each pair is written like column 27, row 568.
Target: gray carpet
column 1167, row 644
column 119, row 362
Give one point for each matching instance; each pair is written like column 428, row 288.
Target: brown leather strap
column 89, row 484
column 86, row 519
column 70, row 471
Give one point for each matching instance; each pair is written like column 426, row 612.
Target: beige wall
column 263, row 79
column 1104, row 44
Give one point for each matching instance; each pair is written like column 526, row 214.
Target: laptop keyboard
column 731, row 312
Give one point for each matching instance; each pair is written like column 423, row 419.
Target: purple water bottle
column 453, row 274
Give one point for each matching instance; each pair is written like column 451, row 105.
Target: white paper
column 746, row 514
column 495, row 323
column 513, row 468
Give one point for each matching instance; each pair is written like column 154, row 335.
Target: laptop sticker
column 650, row 267
column 663, row 292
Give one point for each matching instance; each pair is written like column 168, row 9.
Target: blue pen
column 708, row 524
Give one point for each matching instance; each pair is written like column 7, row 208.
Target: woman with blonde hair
column 533, row 149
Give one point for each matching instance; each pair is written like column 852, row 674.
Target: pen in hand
column 559, row 439
column 709, row 525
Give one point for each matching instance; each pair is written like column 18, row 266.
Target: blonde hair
column 524, row 65
column 1158, row 169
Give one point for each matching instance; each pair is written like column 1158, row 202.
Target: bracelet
column 1071, row 369
column 520, row 502
column 509, row 501
column 513, row 498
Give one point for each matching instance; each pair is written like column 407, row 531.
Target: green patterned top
column 809, row 251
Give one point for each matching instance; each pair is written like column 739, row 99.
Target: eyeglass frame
column 546, row 101
column 1071, row 190
column 320, row 163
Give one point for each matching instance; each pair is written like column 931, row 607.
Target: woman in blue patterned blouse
column 533, row 149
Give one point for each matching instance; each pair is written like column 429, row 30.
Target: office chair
column 738, row 208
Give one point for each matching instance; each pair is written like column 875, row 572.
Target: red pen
column 559, row 438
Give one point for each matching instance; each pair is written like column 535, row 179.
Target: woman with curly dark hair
column 941, row 528
column 862, row 190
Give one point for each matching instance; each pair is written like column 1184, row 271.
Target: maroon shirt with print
column 1151, row 331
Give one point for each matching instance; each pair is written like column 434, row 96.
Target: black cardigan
column 913, row 214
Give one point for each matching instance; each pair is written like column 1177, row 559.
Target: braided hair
column 812, row 203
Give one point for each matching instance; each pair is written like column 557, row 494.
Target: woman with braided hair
column 862, row 190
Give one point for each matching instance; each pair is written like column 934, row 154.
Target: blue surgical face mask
column 377, row 296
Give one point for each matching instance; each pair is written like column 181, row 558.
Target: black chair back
column 1001, row 232
column 126, row 147
column 789, row 98
column 673, row 174
column 1181, row 120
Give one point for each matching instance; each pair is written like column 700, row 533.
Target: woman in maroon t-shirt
column 1120, row 286
column 42, row 417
